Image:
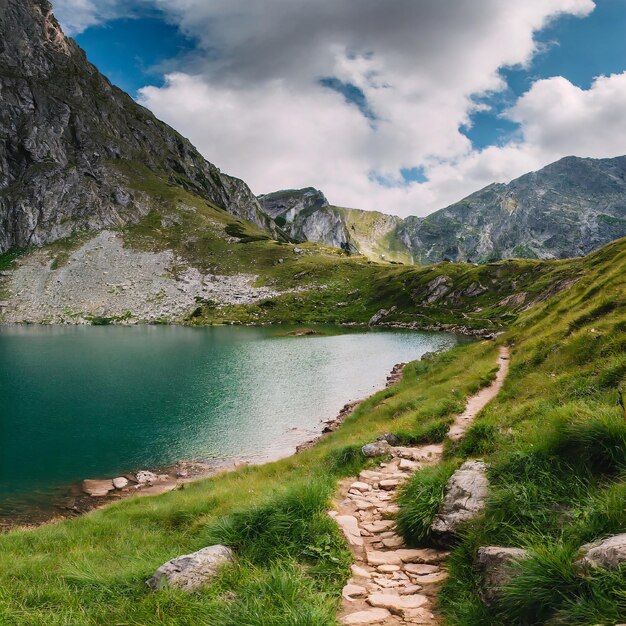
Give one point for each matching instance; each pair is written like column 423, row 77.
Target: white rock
column 609, row 553
column 144, row 477
column 465, row 499
column 120, row 482
column 191, row 571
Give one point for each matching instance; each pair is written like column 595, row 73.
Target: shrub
column 541, row 585
column 420, row 500
column 435, row 432
column 479, row 439
column 598, row 442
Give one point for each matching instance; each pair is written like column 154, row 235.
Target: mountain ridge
column 66, row 128
column 566, row 209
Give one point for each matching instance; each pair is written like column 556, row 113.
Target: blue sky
column 402, row 108
column 577, row 49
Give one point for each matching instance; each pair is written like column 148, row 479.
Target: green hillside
column 555, row 439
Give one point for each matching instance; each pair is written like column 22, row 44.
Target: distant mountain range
column 78, row 154
column 566, row 209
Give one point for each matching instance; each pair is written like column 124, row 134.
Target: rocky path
column 392, row 584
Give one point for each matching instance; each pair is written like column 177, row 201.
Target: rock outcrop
column 377, row 448
column 306, row 215
column 71, row 142
column 608, row 553
column 191, row 571
column 496, row 566
column 466, row 494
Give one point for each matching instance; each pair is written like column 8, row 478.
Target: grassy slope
column 555, row 439
column 375, row 234
column 327, row 285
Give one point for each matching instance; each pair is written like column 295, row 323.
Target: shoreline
column 458, row 329
column 76, row 501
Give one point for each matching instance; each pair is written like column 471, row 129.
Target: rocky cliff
column 65, row 131
column 306, row 215
column 566, row 209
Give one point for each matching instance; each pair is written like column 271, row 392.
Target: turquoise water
column 91, row 402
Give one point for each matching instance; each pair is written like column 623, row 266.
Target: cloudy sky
column 403, row 106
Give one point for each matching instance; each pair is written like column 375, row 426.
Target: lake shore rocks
column 97, row 488
column 191, row 571
column 120, row 482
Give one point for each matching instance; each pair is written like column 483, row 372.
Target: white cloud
column 251, row 101
column 78, row 15
column 559, row 118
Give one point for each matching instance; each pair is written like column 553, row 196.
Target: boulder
column 390, row 438
column 466, row 494
column 608, row 553
column 378, row 448
column 379, row 315
column 496, row 566
column 191, row 571
column 120, row 482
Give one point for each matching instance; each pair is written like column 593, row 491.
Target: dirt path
column 391, row 584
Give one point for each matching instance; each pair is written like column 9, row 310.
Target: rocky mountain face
column 566, row 209
column 306, row 215
column 68, row 139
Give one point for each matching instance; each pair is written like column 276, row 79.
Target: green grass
column 420, row 500
column 555, row 442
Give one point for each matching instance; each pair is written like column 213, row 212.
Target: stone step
column 395, row 603
column 364, row 618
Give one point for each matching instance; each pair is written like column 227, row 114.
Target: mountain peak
column 70, row 138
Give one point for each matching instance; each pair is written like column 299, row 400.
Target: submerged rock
column 609, row 553
column 497, row 566
column 466, row 494
column 191, row 571
column 97, row 488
